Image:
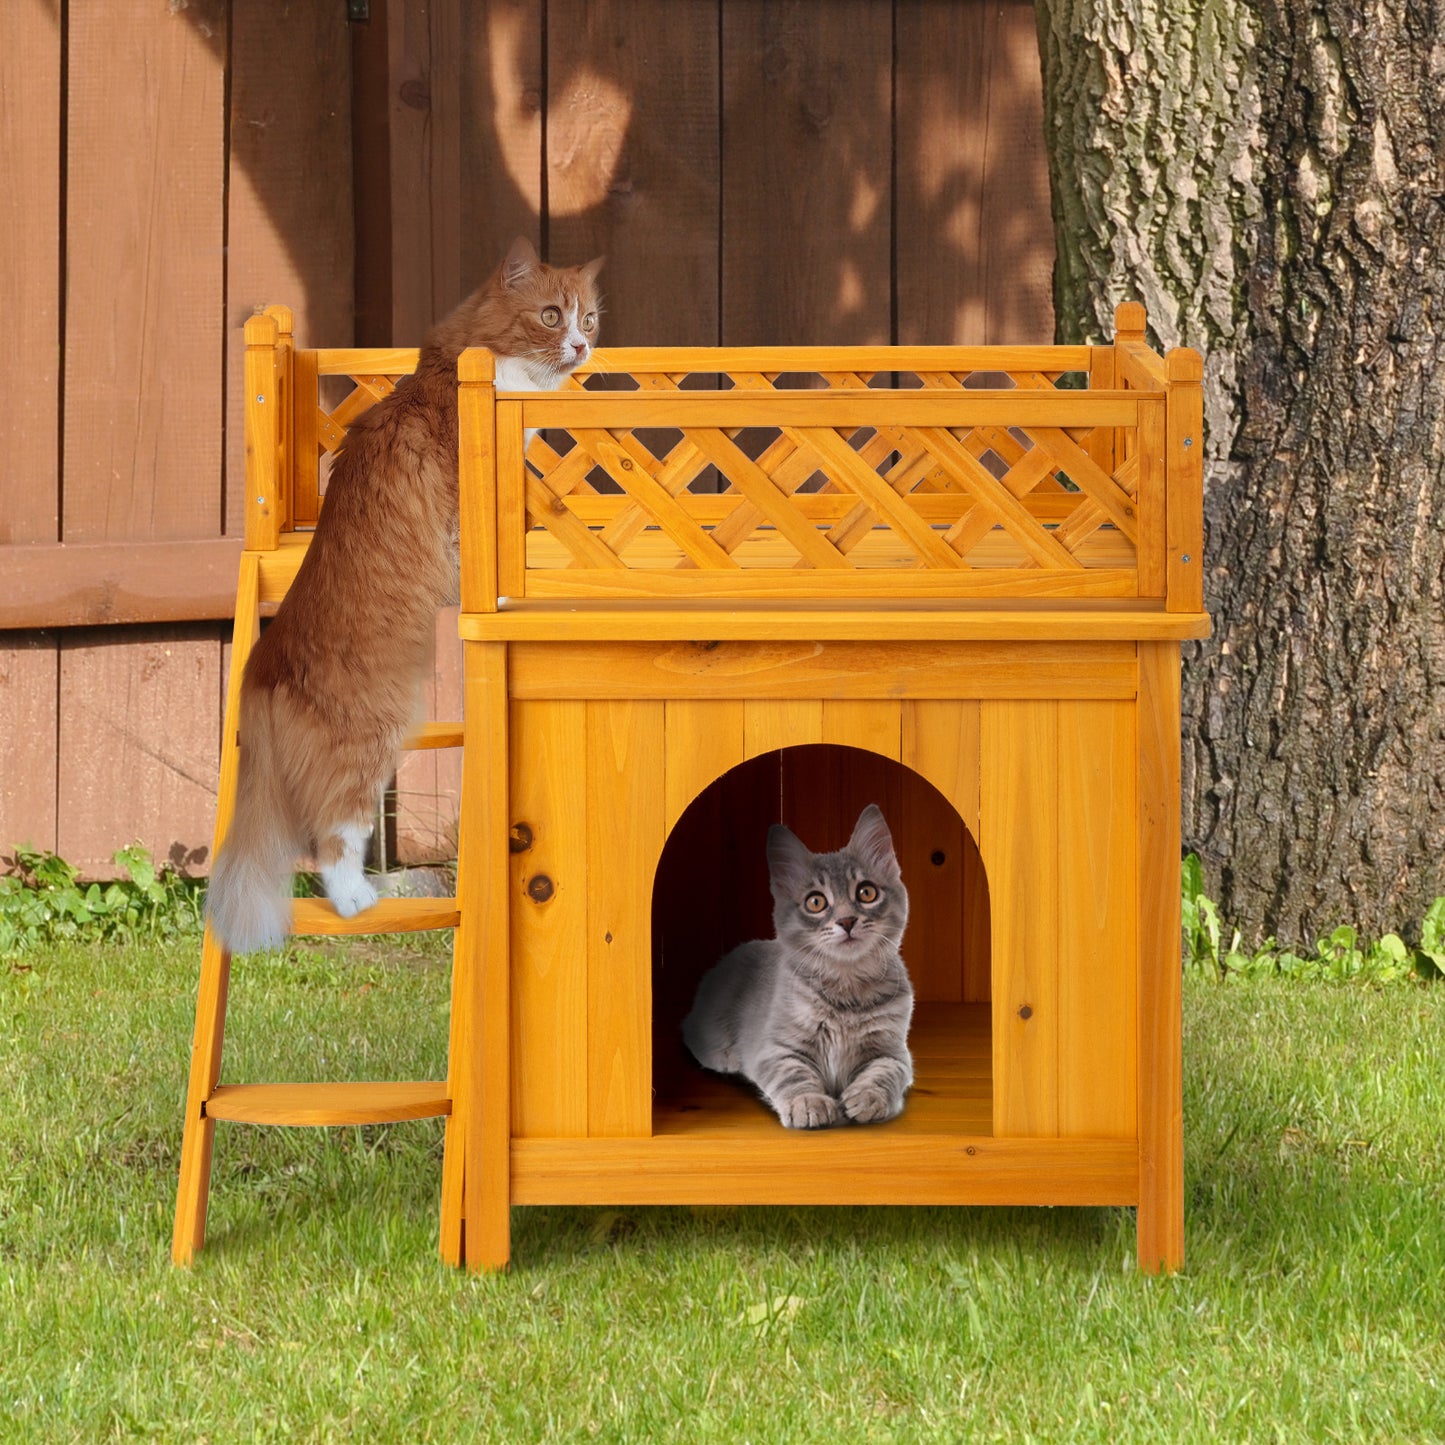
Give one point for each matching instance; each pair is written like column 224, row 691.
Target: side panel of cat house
column 1031, row 745
column 1058, row 821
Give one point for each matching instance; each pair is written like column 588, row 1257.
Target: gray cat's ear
column 789, row 862
column 521, row 261
column 872, row 842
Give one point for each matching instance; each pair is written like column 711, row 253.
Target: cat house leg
column 340, row 858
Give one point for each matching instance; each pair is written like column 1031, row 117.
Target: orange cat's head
column 543, row 317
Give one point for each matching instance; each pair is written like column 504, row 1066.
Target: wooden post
column 1184, row 467
column 1161, row 1117
column 193, row 1190
column 476, row 1172
column 285, row 373
column 263, row 433
column 476, row 410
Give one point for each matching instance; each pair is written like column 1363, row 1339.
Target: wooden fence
column 756, row 172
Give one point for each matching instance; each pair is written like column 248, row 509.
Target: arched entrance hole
column 711, row 893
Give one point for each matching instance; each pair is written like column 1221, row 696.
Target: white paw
column 350, row 896
column 810, row 1111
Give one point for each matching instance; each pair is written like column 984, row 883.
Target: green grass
column 1309, row 1308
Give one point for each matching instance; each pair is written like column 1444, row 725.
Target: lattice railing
column 790, row 473
column 938, row 489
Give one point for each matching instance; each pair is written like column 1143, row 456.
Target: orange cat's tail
column 248, row 902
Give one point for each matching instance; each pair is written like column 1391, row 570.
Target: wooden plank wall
column 754, row 172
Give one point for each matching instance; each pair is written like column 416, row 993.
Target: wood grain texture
column 69, row 584
column 1161, row 1122
column 956, row 620
column 144, row 269
column 30, row 277
column 937, row 847
column 193, row 1184
column 425, row 149
column 329, row 1104
column 549, row 929
column 806, row 100
column 633, row 156
column 1184, row 462
column 624, row 842
column 29, row 689
column 781, row 723
column 30, row 301
column 832, row 1166
column 138, row 732
column 975, row 252
column 289, row 204
column 476, row 1180
column 802, row 670
column 1020, row 846
column 1098, row 921
column 703, row 740
column 503, row 97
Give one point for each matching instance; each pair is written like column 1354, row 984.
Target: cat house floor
column 952, row 1091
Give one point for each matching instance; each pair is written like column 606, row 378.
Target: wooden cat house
column 724, row 588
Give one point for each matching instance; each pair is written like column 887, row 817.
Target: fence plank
column 30, row 270
column 503, row 92
column 289, row 226
column 144, row 266
column 139, row 743
column 806, row 172
column 426, row 166
column 28, row 665
column 632, row 158
column 975, row 242
column 30, row 383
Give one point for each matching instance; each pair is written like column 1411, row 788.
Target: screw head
column 1186, row 558
column 1189, row 441
column 260, row 401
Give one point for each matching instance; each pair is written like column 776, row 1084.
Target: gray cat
column 817, row 1017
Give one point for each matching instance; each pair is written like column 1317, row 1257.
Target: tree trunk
column 1268, row 177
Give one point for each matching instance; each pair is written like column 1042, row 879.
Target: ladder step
column 434, row 735
column 387, row 915
column 311, row 1104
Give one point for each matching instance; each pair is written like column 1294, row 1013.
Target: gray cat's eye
column 551, row 315
column 867, row 893
column 815, row 903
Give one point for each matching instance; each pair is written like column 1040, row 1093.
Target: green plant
column 43, row 901
column 1341, row 956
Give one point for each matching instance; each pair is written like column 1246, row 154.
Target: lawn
column 1310, row 1307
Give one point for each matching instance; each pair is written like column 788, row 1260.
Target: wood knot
column 540, row 888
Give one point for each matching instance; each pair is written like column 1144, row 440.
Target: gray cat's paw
column 869, row 1104
column 810, row 1111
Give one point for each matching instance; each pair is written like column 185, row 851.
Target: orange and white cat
column 333, row 685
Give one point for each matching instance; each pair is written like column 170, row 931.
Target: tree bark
column 1268, row 176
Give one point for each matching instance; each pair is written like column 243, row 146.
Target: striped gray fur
column 817, row 1017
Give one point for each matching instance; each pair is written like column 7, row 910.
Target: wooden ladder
column 207, row 1099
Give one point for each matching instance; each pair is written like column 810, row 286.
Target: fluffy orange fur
column 333, row 685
